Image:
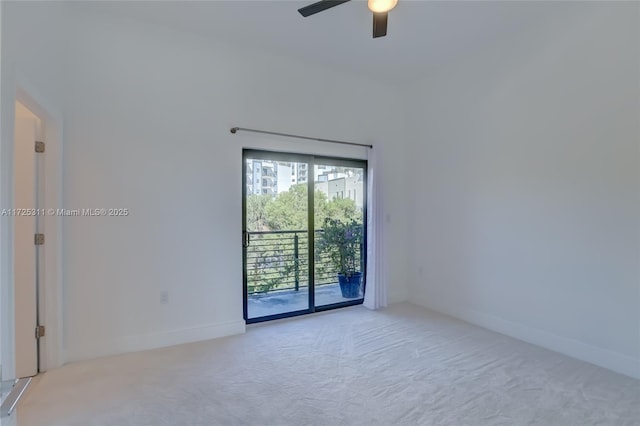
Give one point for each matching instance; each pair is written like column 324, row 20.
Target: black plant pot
column 350, row 285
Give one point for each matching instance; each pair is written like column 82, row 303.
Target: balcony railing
column 279, row 260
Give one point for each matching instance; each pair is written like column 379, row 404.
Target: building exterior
column 273, row 178
column 343, row 187
column 262, row 177
column 340, row 182
column 299, row 173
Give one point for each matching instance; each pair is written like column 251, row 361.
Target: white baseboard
column 614, row 361
column 125, row 344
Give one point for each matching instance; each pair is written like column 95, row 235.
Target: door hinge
column 40, row 331
column 38, row 239
column 39, row 146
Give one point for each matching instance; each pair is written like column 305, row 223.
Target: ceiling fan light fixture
column 381, row 6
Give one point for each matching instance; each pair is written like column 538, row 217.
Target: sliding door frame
column 312, row 161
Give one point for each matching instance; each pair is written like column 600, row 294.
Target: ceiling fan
column 380, row 9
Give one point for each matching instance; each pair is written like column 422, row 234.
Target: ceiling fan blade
column 380, row 24
column 320, row 6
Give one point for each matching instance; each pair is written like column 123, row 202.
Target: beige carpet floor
column 401, row 366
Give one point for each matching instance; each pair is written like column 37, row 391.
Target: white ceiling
column 421, row 34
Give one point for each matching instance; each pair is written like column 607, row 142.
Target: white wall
column 2, row 330
column 527, row 207
column 147, row 118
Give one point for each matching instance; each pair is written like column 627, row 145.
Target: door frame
column 28, row 194
column 15, row 88
column 311, row 161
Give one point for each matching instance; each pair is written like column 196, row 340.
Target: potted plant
column 341, row 242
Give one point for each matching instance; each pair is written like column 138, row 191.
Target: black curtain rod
column 236, row 129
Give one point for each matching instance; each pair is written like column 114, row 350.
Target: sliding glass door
column 292, row 264
column 276, row 236
column 339, row 217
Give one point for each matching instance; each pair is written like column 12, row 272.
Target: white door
column 25, row 202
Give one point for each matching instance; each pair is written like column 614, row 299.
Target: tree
column 288, row 211
column 256, row 211
column 271, row 260
column 341, row 209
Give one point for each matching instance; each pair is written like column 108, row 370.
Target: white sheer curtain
column 376, row 291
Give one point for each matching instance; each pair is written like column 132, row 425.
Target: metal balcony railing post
column 297, row 263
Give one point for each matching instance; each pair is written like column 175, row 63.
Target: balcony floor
column 281, row 301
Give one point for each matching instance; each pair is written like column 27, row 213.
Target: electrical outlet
column 164, row 297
